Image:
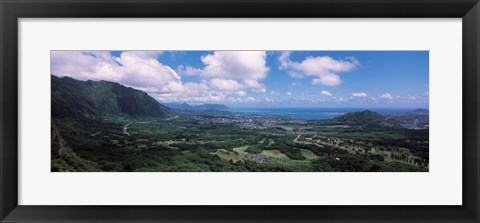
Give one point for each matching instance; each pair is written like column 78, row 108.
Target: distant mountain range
column 417, row 118
column 185, row 106
column 419, row 112
column 365, row 118
column 75, row 98
column 413, row 119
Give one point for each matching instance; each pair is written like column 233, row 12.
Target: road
column 125, row 128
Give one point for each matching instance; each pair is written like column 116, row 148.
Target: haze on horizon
column 343, row 79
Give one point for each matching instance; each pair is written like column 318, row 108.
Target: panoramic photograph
column 239, row 111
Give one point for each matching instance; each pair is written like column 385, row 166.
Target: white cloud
column 139, row 70
column 188, row 70
column 412, row 97
column 326, row 93
column 386, row 96
column 236, row 64
column 275, row 93
column 328, row 80
column 225, row 84
column 241, row 93
column 288, row 93
column 142, row 70
column 131, row 68
column 80, row 65
column 145, row 54
column 284, row 60
column 251, row 99
column 245, row 67
column 359, row 94
column 254, row 85
column 341, row 100
column 323, row 69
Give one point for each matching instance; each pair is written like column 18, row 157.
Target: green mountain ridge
column 90, row 99
column 365, row 118
column 64, row 158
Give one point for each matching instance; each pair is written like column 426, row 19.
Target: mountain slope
column 418, row 118
column 419, row 112
column 74, row 98
column 65, row 159
column 365, row 118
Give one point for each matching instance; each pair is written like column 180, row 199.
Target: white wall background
column 441, row 186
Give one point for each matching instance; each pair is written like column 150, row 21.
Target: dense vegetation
column 91, row 99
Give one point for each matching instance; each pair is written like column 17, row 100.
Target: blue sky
column 366, row 79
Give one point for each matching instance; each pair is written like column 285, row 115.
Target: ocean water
column 314, row 113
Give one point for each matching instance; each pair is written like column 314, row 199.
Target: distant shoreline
column 314, row 113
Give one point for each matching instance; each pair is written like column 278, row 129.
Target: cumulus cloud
column 143, row 70
column 225, row 84
column 145, row 54
column 241, row 93
column 236, row 64
column 131, row 68
column 82, row 65
column 140, row 71
column 386, row 96
column 359, row 94
column 326, row 93
column 323, row 69
column 188, row 70
column 254, row 85
column 248, row 68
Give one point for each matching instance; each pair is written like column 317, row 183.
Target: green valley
column 105, row 126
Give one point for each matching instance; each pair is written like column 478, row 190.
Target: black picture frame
column 12, row 10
